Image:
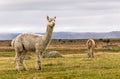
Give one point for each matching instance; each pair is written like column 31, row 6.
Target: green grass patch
column 7, row 54
column 103, row 66
column 116, row 48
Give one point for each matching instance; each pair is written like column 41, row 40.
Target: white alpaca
column 90, row 45
column 36, row 42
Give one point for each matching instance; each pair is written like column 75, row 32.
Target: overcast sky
column 72, row 15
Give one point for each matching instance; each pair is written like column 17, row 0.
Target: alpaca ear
column 55, row 17
column 47, row 17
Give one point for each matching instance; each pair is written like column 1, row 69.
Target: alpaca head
column 51, row 21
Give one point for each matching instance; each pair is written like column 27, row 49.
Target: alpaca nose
column 53, row 22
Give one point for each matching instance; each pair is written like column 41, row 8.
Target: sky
column 71, row 15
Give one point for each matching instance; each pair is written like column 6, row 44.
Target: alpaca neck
column 48, row 34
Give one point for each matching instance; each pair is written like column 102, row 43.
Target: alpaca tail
column 12, row 43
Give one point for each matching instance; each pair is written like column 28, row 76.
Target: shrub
column 51, row 54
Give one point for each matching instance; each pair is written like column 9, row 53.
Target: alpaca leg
column 38, row 60
column 22, row 57
column 92, row 53
column 17, row 60
column 88, row 53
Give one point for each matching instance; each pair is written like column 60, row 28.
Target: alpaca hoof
column 89, row 57
column 17, row 70
column 26, row 69
column 39, row 69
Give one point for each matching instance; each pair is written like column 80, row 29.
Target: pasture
column 73, row 65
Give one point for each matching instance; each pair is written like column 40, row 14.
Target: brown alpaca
column 90, row 46
column 36, row 42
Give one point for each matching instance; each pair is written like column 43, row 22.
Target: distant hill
column 70, row 35
column 80, row 35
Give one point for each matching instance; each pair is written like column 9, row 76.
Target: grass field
column 73, row 65
column 105, row 65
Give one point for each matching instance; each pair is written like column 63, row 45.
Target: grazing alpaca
column 35, row 42
column 90, row 46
